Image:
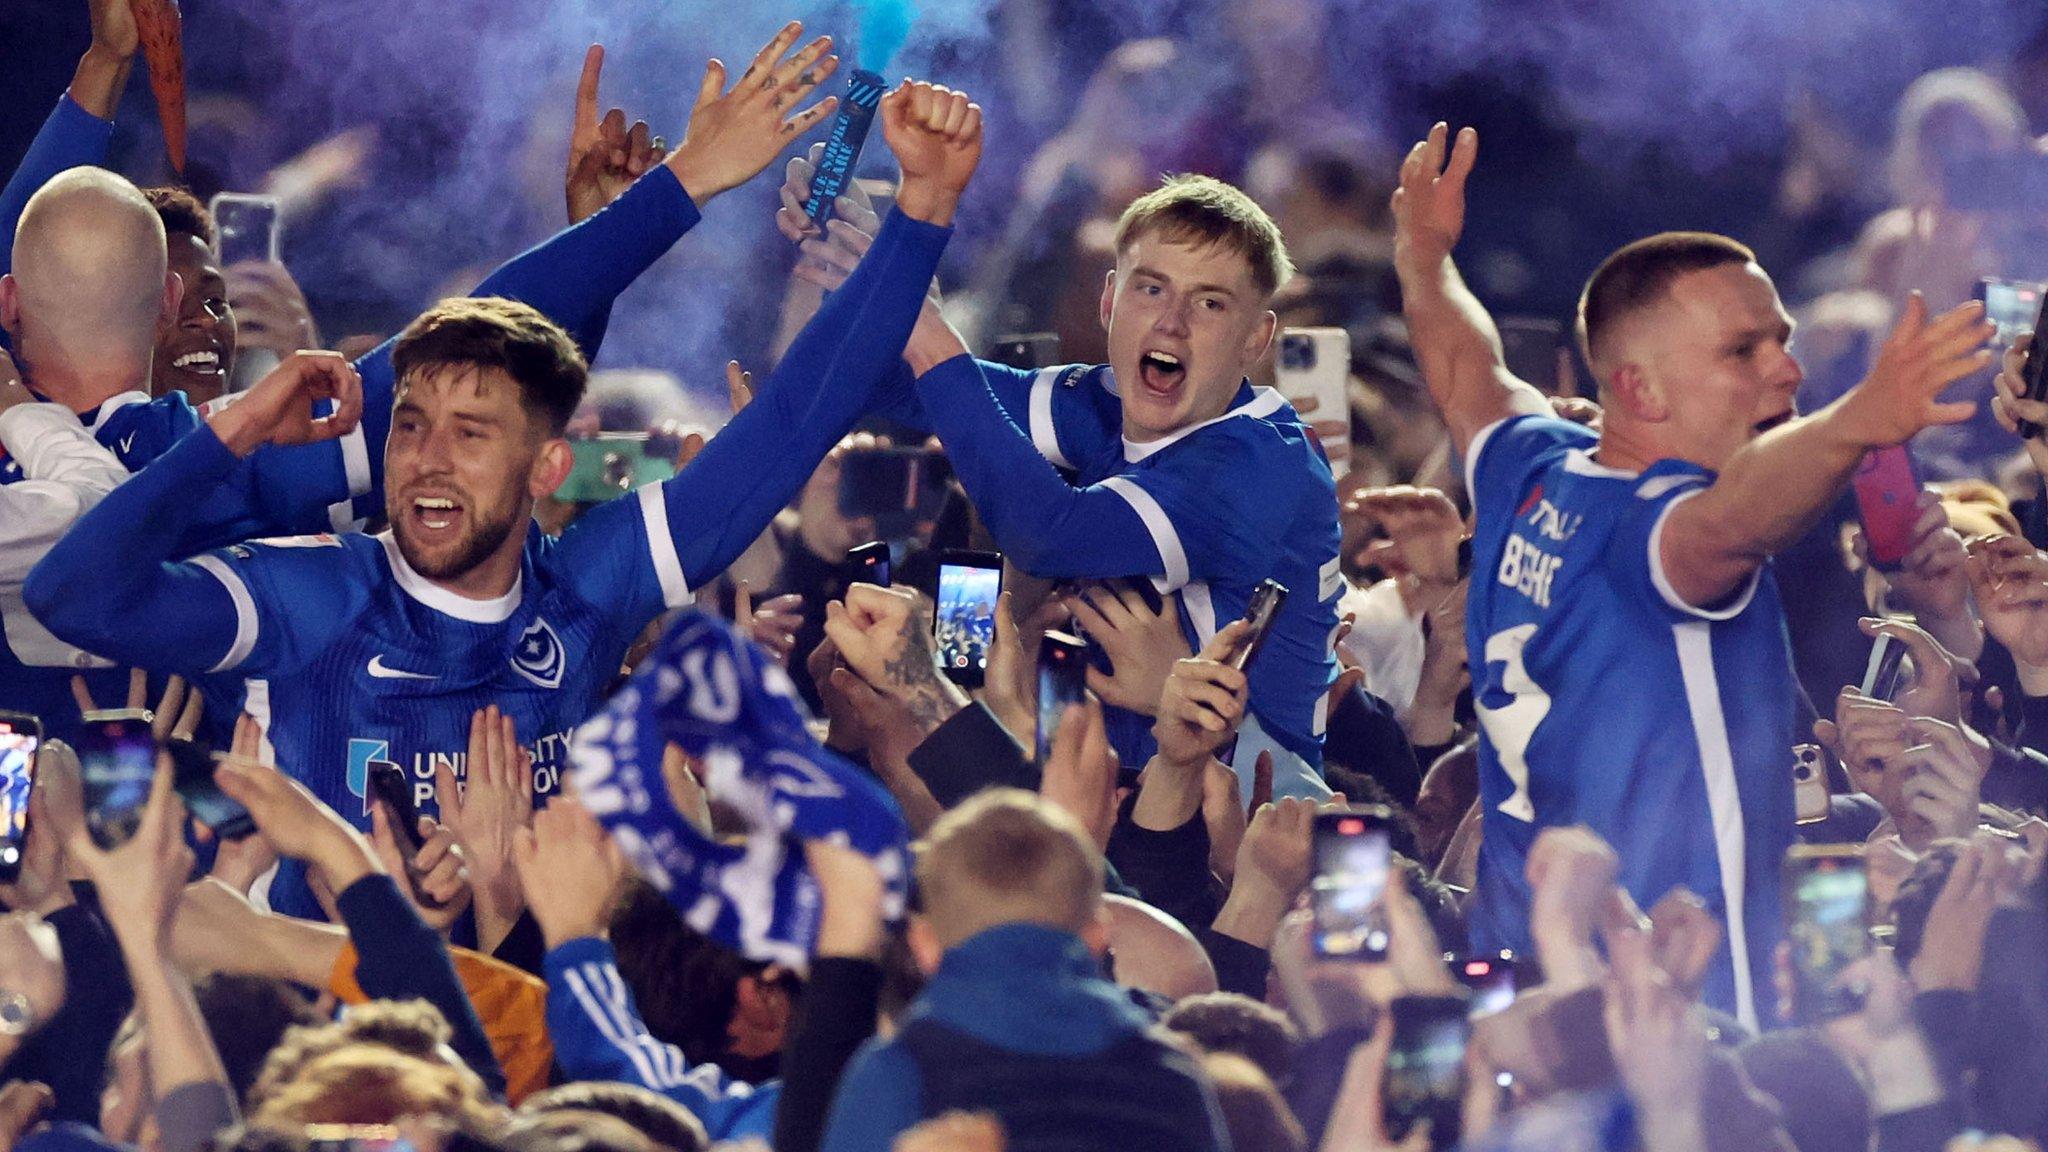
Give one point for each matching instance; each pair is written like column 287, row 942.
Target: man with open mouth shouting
column 1617, row 572
column 1183, row 471
column 364, row 653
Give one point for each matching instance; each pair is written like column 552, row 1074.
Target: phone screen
column 1352, row 859
column 965, row 625
column 247, row 227
column 1426, row 1068
column 1263, row 609
column 1491, row 980
column 2012, row 306
column 1830, row 927
column 20, row 736
column 117, row 759
column 192, row 768
column 1881, row 674
column 1062, row 679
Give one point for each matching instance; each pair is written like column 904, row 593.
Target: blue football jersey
column 1605, row 700
column 352, row 659
column 1228, row 503
column 276, row 491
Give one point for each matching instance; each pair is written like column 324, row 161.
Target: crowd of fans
column 544, row 764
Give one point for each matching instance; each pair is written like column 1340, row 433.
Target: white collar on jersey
column 1264, row 402
column 113, row 404
column 493, row 611
column 1580, row 462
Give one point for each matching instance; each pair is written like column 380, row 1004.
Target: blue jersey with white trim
column 352, row 659
column 276, row 491
column 1228, row 503
column 1605, row 700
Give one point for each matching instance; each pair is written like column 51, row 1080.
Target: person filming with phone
column 1631, row 567
column 1183, row 472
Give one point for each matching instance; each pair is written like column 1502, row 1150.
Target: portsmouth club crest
column 539, row 656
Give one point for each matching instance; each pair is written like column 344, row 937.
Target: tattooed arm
column 884, row 636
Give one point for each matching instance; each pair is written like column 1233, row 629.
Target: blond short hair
column 1203, row 210
column 371, row 1084
column 1006, row 857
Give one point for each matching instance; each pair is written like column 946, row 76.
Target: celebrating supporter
column 1292, row 768
column 479, row 605
column 573, row 279
column 1637, row 557
column 1188, row 475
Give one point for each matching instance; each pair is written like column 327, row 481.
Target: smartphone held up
column 965, row 623
column 21, row 736
column 1352, row 860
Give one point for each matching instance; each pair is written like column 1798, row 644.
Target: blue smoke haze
column 1603, row 118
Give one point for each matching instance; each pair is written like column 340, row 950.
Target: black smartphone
column 898, row 488
column 1426, row 1068
column 1263, row 609
column 1881, row 673
column 20, row 736
column 965, row 623
column 389, row 787
column 192, row 774
column 1352, row 860
column 117, row 759
column 872, row 561
column 1489, row 976
column 2034, row 371
column 1827, row 896
column 1062, row 681
column 1026, row 350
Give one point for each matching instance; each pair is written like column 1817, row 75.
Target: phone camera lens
column 618, row 471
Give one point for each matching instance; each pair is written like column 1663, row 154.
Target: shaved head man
column 89, row 286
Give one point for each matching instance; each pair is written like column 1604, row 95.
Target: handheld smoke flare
column 842, row 147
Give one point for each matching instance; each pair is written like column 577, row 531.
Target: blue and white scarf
column 725, row 701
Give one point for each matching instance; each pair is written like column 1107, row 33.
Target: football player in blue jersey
column 1180, row 469
column 364, row 653
column 620, row 225
column 1628, row 650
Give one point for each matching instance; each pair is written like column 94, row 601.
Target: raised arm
column 1047, row 526
column 110, row 586
column 722, row 500
column 1776, row 487
column 628, row 205
column 569, row 870
column 1455, row 340
column 81, row 127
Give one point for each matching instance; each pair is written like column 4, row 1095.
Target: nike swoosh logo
column 381, row 672
column 127, row 442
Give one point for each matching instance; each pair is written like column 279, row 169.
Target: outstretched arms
column 1455, row 340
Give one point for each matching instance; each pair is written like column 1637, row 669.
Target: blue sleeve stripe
column 661, row 548
column 1044, row 435
column 245, row 611
column 1164, row 536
